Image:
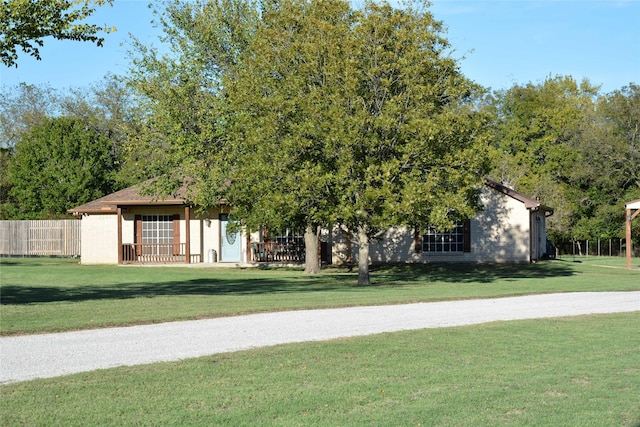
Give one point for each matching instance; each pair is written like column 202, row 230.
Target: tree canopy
column 352, row 116
column 60, row 164
column 25, row 23
column 576, row 150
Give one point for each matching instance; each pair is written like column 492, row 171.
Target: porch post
column 630, row 217
column 119, row 209
column 187, row 230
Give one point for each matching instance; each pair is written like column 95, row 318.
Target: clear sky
column 504, row 42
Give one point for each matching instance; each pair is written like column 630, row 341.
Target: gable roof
column 134, row 196
column 529, row 203
column 131, row 196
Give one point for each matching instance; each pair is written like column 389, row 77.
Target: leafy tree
column 177, row 92
column 58, row 165
column 285, row 100
column 607, row 173
column 105, row 107
column 23, row 107
column 413, row 145
column 25, row 23
column 538, row 127
column 367, row 120
column 109, row 108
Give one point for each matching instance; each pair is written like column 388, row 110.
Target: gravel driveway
column 49, row 355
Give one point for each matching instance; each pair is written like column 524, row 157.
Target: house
column 511, row 228
column 129, row 227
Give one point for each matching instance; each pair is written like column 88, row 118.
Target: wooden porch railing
column 277, row 252
column 160, row 253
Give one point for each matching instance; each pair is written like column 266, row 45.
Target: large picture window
column 455, row 240
column 157, row 228
column 157, row 234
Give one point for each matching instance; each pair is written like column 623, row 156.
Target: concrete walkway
column 28, row 357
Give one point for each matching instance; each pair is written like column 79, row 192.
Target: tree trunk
column 363, row 257
column 311, row 260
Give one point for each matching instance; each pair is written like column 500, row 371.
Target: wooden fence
column 40, row 238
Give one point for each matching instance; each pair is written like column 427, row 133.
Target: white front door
column 231, row 242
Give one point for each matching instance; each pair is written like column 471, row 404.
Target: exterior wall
column 205, row 234
column 499, row 233
column 99, row 239
column 538, row 236
column 100, row 233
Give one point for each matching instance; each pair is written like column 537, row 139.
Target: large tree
column 361, row 117
column 607, row 171
column 183, row 120
column 23, row 107
column 105, row 108
column 59, row 164
column 286, row 107
column 538, row 128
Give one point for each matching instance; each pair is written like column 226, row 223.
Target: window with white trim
column 451, row 241
column 157, row 230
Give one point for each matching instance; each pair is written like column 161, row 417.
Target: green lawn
column 47, row 295
column 575, row 371
column 579, row 371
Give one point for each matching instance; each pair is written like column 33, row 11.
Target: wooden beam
column 120, row 254
column 187, row 230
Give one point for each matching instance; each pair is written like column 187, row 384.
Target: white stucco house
column 127, row 227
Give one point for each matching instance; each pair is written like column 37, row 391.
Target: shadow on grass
column 470, row 273
column 333, row 279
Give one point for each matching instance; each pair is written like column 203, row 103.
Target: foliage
column 286, row 103
column 58, row 165
column 369, row 119
column 105, row 108
column 576, row 151
column 182, row 119
column 23, row 107
column 537, row 130
column 24, row 24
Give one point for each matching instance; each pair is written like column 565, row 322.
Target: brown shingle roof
column 529, row 203
column 128, row 197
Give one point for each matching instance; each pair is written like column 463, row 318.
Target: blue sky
column 503, row 42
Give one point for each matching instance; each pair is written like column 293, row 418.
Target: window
column 157, row 228
column 157, row 234
column 455, row 240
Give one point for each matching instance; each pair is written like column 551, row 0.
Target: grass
column 582, row 370
column 50, row 295
column 563, row 372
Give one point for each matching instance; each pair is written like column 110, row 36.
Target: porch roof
column 634, row 204
column 131, row 196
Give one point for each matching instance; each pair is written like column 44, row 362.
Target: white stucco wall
column 99, row 240
column 499, row 233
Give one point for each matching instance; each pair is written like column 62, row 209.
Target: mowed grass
column 579, row 371
column 50, row 295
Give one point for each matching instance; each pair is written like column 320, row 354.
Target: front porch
column 275, row 251
column 157, row 253
column 176, row 253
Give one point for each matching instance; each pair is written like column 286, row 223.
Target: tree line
column 305, row 114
